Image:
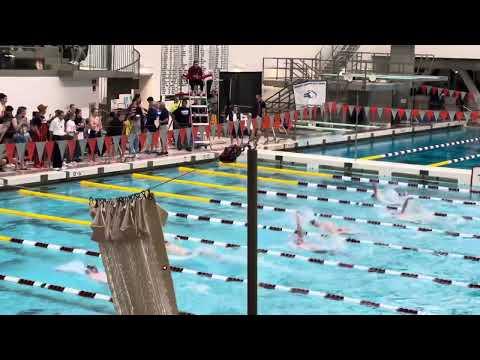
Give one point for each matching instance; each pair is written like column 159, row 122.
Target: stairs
column 297, row 70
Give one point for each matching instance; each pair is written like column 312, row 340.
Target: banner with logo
column 310, row 93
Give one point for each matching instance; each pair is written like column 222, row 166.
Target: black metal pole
column 252, row 232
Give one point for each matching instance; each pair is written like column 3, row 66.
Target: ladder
column 200, row 119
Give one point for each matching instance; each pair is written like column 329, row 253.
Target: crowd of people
column 17, row 127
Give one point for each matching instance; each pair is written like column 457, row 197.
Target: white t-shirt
column 70, row 127
column 57, row 127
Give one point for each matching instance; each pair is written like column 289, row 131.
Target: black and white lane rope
column 354, row 203
column 349, row 240
column 370, row 191
column 282, row 254
column 58, row 288
column 178, row 269
column 422, row 148
column 304, row 292
column 322, row 215
column 404, row 184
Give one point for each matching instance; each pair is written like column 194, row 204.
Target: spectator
column 3, row 104
column 152, row 116
column 39, row 131
column 95, row 124
column 80, row 124
column 22, row 136
column 21, row 118
column 70, row 112
column 233, row 117
column 129, row 130
column 115, row 125
column 258, row 113
column 7, row 131
column 163, row 117
column 135, row 109
column 57, row 132
column 182, row 120
column 195, row 77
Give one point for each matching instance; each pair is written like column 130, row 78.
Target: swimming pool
column 368, row 148
column 419, row 263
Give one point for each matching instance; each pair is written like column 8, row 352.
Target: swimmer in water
column 388, row 197
column 330, row 228
column 300, row 238
column 94, row 274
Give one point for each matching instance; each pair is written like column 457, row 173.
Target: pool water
column 206, row 296
column 403, row 142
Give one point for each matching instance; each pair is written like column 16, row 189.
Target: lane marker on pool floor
column 457, row 160
column 421, row 148
column 301, row 196
column 323, row 186
column 358, row 179
column 242, row 205
column 178, row 269
column 271, row 252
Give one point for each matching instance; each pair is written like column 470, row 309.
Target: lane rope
column 328, row 187
column 262, row 207
column 303, row 197
column 271, row 252
column 457, row 160
column 266, row 208
column 421, row 148
column 375, row 180
column 268, row 286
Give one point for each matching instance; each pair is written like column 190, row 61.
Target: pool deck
column 271, row 151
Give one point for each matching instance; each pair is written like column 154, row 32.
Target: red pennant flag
column 170, row 137
column 71, row 148
column 333, row 107
column 423, row 89
column 434, row 90
column 49, row 145
column 277, row 121
column 445, row 92
column 387, row 113
column 401, row 113
column 444, row 115
column 194, row 131
column 92, row 144
column 242, row 126
column 373, row 116
column 305, row 113
column 314, row 112
column 474, row 115
column 430, row 115
column 460, row 115
column 415, row 113
column 31, row 150
column 109, row 145
column 183, row 135
column 123, row 143
column 10, row 150
column 266, row 122
column 295, row 116
column 142, row 139
column 287, row 119
column 156, row 139
column 208, row 130
column 344, row 110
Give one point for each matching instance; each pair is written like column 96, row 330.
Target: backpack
column 230, row 154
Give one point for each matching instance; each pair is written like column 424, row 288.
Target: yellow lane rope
column 236, row 176
column 279, row 171
column 135, row 189
column 188, row 182
column 43, row 217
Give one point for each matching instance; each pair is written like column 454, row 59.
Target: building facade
column 176, row 59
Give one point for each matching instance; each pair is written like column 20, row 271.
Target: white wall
column 50, row 91
column 441, row 51
column 249, row 57
column 150, row 60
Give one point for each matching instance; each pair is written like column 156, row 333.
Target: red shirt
column 195, row 73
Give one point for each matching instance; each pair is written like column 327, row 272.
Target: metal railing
column 122, row 58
